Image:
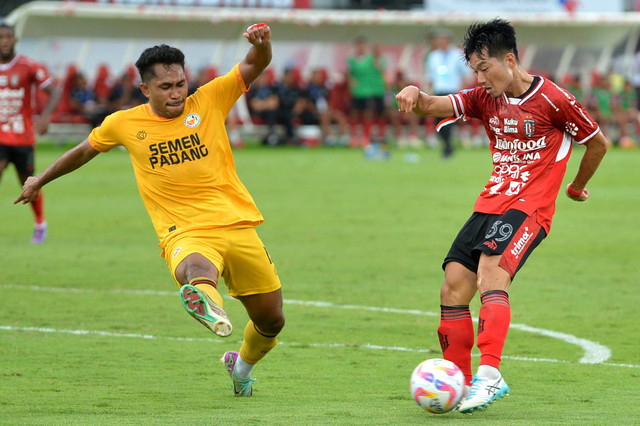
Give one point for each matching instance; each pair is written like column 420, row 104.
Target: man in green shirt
column 367, row 85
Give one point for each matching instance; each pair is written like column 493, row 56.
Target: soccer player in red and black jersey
column 19, row 76
column 531, row 123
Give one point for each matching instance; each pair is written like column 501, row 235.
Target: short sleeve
column 571, row 117
column 41, row 76
column 465, row 103
column 222, row 92
column 105, row 138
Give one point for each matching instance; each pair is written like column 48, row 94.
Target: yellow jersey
column 184, row 166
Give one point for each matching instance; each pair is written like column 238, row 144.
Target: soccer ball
column 437, row 385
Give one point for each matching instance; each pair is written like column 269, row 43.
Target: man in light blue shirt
column 445, row 72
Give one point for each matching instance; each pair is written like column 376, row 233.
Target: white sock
column 488, row 372
column 243, row 368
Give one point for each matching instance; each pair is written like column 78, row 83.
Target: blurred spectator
column 102, row 85
column 635, row 76
column 83, row 101
column 405, row 125
column 319, row 93
column 445, row 73
column 338, row 109
column 263, row 105
column 600, row 103
column 293, row 104
column 573, row 84
column 626, row 114
column 366, row 81
column 204, row 76
column 125, row 93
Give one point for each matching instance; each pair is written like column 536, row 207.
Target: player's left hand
column 258, row 34
column 577, row 195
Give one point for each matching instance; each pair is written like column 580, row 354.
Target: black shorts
column 514, row 235
column 21, row 156
column 375, row 104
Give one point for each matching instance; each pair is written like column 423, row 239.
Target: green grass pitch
column 92, row 331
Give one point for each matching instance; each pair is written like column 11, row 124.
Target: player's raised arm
column 596, row 149
column 411, row 99
column 259, row 55
column 66, row 163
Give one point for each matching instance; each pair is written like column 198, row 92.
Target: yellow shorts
column 237, row 252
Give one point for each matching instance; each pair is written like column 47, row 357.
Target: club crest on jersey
column 192, row 120
column 529, row 127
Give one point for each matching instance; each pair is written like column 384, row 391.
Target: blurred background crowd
column 350, row 100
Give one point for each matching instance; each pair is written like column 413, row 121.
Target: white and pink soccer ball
column 437, row 385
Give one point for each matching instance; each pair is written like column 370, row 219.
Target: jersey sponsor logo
column 11, row 93
column 491, row 244
column 141, row 135
column 178, row 151
column 177, row 250
column 510, row 125
column 524, row 158
column 529, row 127
column 520, row 245
column 571, row 128
column 192, row 120
column 514, row 188
column 517, row 145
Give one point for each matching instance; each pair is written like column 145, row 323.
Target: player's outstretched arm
column 259, row 55
column 411, row 99
column 596, row 149
column 66, row 163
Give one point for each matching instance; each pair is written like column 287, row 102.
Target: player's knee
column 272, row 325
column 456, row 293
column 448, row 294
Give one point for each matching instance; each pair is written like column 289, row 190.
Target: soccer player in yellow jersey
column 204, row 216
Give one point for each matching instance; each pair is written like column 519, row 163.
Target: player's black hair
column 9, row 27
column 162, row 54
column 495, row 38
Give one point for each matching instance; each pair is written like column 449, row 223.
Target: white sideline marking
column 594, row 353
column 293, row 344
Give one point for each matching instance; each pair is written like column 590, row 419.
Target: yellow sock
column 208, row 286
column 256, row 344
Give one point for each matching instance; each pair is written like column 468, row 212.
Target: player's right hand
column 407, row 99
column 577, row 195
column 258, row 34
column 30, row 191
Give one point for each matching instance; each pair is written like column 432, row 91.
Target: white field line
column 594, row 353
column 292, row 344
